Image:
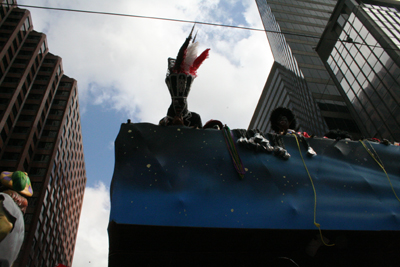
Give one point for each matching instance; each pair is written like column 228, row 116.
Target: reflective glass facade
column 364, row 61
column 293, row 30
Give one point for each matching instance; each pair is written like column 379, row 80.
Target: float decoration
column 180, row 187
column 13, row 204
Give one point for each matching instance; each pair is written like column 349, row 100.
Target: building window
column 3, row 135
column 16, row 142
column 27, row 23
column 48, row 133
column 57, row 112
column 42, row 48
column 26, row 118
column 28, row 218
column 41, row 157
column 11, row 79
column 60, row 102
column 53, row 122
column 10, row 156
column 31, row 106
column 45, row 145
column 46, row 69
column 62, row 93
column 36, row 172
column 65, row 84
column 38, row 87
column 49, row 60
column 34, row 96
column 42, row 78
column 21, row 129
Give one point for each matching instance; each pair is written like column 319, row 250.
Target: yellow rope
column 315, row 195
column 380, row 165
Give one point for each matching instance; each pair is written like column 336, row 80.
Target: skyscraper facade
column 40, row 133
column 302, row 82
column 361, row 49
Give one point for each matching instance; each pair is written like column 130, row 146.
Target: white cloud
column 91, row 247
column 121, row 62
column 111, row 145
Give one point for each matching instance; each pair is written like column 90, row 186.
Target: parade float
column 198, row 196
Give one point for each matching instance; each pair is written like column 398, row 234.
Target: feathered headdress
column 183, row 69
column 187, row 60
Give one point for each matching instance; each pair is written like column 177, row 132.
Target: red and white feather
column 187, row 60
column 198, row 61
column 191, row 55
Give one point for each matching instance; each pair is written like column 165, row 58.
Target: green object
column 19, row 180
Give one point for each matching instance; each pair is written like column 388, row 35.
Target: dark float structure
column 182, row 196
column 176, row 199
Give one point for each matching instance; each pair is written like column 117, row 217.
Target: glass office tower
column 293, row 31
column 40, row 133
column 361, row 49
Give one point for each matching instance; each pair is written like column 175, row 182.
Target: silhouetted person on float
column 180, row 75
column 178, row 113
column 283, row 120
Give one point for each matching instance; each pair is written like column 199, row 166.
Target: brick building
column 40, row 133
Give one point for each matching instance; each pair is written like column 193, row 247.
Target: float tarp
column 182, row 177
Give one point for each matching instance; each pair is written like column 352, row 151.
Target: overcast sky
column 120, row 65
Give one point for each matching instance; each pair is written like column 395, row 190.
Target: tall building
column 361, row 50
column 40, row 133
column 298, row 78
